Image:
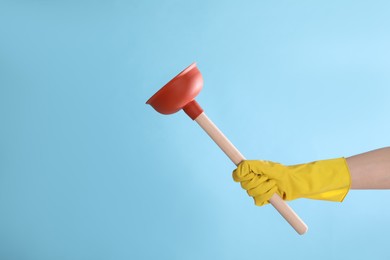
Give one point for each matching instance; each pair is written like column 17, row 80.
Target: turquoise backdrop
column 88, row 171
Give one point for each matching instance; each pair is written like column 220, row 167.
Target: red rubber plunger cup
column 180, row 93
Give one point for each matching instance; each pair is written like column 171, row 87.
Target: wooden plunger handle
column 231, row 151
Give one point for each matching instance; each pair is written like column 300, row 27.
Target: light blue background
column 88, row 171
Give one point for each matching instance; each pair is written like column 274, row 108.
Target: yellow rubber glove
column 321, row 180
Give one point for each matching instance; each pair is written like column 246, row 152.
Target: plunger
column 180, row 93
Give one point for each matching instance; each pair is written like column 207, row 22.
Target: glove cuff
column 329, row 180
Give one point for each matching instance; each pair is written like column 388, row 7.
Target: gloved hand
column 321, row 180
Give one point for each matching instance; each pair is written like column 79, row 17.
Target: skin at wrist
column 370, row 170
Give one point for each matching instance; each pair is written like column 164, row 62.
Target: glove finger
column 264, row 198
column 256, row 181
column 262, row 188
column 243, row 172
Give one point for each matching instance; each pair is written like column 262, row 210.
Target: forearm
column 370, row 170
